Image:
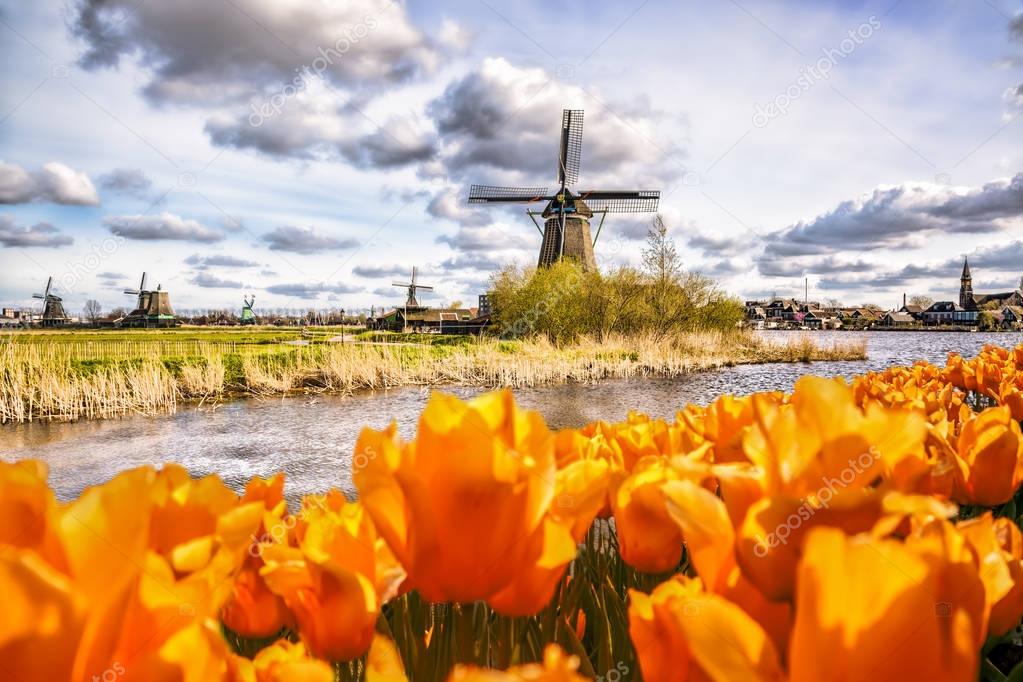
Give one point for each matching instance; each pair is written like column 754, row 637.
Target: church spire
column 966, row 287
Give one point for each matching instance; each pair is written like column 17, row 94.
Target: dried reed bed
column 41, row 382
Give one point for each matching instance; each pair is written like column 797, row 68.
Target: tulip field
column 863, row 530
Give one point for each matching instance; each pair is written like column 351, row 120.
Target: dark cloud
column 315, row 126
column 199, row 53
column 311, row 290
column 634, row 227
column 380, row 271
column 994, row 201
column 390, row 146
column 771, row 266
column 130, row 181
column 289, row 83
column 220, row 260
column 305, row 240
column 901, row 216
column 501, row 124
column 112, row 275
column 163, row 227
column 473, row 261
column 450, row 204
column 720, row 243
column 725, row 267
column 489, row 239
column 209, row 281
column 42, row 235
column 54, row 182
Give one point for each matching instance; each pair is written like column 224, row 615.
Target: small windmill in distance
column 412, row 286
column 53, row 307
column 248, row 315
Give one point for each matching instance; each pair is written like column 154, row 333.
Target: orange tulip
column 332, row 583
column 556, row 667
column 383, row 663
column 467, row 507
column 253, row 610
column 824, row 461
column 990, row 460
column 683, row 633
column 282, row 661
column 919, row 615
column 129, row 585
column 999, row 547
column 710, row 539
column 648, row 539
column 27, row 508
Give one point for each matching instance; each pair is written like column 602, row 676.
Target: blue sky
column 866, row 146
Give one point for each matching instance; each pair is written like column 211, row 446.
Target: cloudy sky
column 312, row 151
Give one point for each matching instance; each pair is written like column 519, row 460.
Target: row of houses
column 786, row 312
column 950, row 313
column 1002, row 310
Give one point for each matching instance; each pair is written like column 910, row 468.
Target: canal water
column 311, row 438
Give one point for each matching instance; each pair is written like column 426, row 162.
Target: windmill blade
column 49, row 283
column 400, row 284
column 142, row 285
column 422, row 287
column 639, row 201
column 487, row 194
column 131, row 292
column 39, row 296
column 571, row 149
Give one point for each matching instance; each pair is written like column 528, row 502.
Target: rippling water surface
column 311, row 438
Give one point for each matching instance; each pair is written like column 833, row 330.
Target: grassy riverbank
column 68, row 376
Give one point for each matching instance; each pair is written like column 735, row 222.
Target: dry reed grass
column 40, row 382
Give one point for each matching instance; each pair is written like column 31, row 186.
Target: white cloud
column 54, row 182
column 162, row 227
column 305, row 240
column 42, row 235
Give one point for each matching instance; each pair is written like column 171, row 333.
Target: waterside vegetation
column 50, row 376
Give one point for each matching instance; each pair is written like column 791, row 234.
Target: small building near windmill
column 422, row 320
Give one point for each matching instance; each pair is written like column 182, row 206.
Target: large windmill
column 152, row 307
column 566, row 230
column 412, row 286
column 53, row 307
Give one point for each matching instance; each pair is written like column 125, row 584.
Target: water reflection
column 311, row 438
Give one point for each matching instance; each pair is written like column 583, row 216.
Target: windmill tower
column 53, row 307
column 248, row 316
column 566, row 230
column 152, row 307
column 412, row 287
